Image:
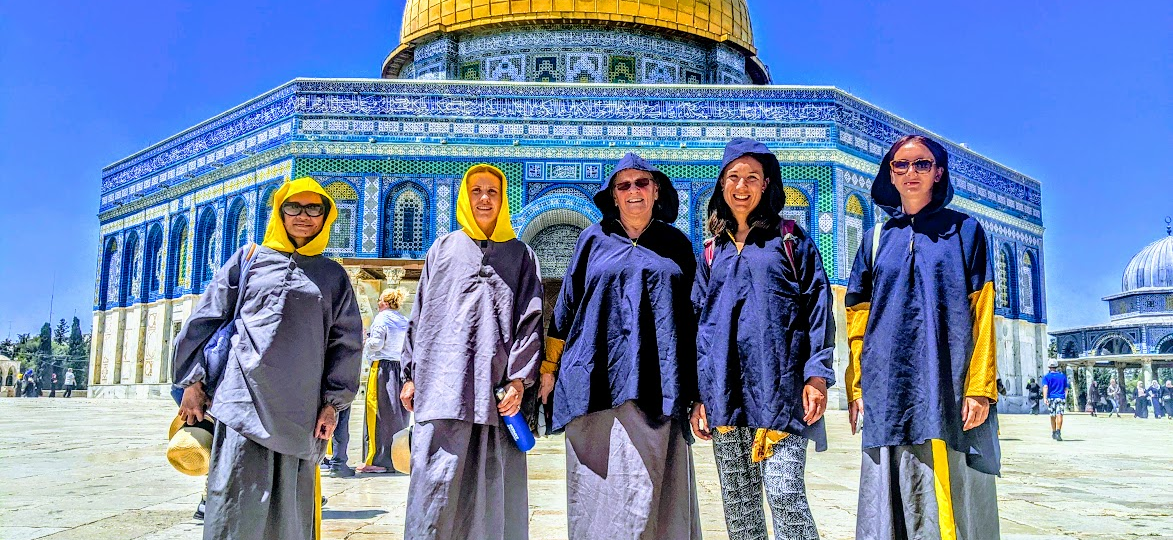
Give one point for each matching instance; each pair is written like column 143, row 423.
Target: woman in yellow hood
column 294, row 365
column 475, row 327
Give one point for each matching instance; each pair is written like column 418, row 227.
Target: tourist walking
column 764, row 347
column 475, row 327
column 1115, row 397
column 1142, row 400
column 294, row 365
column 1055, row 394
column 70, row 382
column 621, row 361
column 1153, row 393
column 1034, row 393
column 1167, row 398
column 1093, row 396
column 31, row 386
column 920, row 317
column 53, row 383
column 384, row 414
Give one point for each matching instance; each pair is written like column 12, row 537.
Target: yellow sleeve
column 554, row 348
column 982, row 376
column 857, row 324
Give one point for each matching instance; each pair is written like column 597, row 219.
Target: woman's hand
column 407, row 396
column 700, row 422
column 511, row 403
column 546, row 386
column 854, row 412
column 193, row 404
column 327, row 421
column 974, row 411
column 814, row 399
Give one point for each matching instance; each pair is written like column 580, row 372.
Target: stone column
column 1147, row 371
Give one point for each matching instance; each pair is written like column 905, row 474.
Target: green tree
column 8, row 348
column 59, row 333
column 77, row 345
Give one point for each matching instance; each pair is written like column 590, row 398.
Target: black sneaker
column 1058, row 435
column 1055, row 434
column 341, row 470
column 324, row 500
column 199, row 513
column 326, row 464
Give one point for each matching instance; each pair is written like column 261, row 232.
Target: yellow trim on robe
column 763, row 441
column 372, row 410
column 554, row 348
column 981, row 380
column 330, row 446
column 857, row 325
column 317, row 502
column 944, row 490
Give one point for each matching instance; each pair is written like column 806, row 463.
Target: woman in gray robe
column 294, row 364
column 475, row 327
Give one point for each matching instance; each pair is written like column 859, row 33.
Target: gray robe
column 476, row 324
column 298, row 346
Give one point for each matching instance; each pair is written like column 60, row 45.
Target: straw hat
column 189, row 448
column 401, row 450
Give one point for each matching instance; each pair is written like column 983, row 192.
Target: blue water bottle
column 517, row 426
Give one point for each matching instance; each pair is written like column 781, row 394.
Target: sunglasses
column 294, row 209
column 900, row 166
column 639, row 183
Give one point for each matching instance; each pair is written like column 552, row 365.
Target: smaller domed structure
column 1152, row 267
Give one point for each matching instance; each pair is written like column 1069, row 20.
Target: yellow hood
column 275, row 235
column 504, row 229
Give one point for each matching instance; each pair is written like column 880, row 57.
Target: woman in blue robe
column 621, row 361
column 765, row 347
column 920, row 329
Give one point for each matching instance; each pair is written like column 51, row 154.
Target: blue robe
column 628, row 327
column 762, row 332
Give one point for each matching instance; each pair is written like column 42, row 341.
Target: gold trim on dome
column 718, row 20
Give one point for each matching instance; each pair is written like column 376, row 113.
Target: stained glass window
column 1002, row 278
column 1026, row 280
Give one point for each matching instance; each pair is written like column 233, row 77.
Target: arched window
column 152, row 262
column 1165, row 347
column 405, row 228
column 129, row 262
column 177, row 250
column 343, row 232
column 107, row 289
column 701, row 212
column 264, row 212
column 1004, row 278
column 853, row 227
column 205, row 249
column 236, row 227
column 1069, row 350
column 797, row 207
column 1027, row 280
column 1114, row 345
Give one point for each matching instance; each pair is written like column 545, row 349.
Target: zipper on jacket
column 912, row 232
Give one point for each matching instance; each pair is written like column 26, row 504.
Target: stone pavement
column 94, row 470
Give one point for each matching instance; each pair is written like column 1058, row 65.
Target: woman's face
column 383, row 305
column 484, row 195
column 303, row 227
column 913, row 183
column 743, row 185
column 635, row 193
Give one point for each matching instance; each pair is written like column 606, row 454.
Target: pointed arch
column 797, row 207
column 1028, row 280
column 1113, row 344
column 701, row 212
column 342, row 233
column 1005, row 279
column 152, row 263
column 177, row 250
column 106, row 290
column 855, row 222
column 264, row 211
column 204, row 265
column 405, row 212
column 236, row 227
column 129, row 262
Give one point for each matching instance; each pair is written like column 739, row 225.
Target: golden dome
column 718, row 20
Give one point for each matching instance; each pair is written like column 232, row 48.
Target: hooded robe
column 475, row 326
column 297, row 348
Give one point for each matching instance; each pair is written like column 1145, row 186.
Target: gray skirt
column 629, row 479
column 467, row 481
column 924, row 491
column 257, row 494
column 384, row 414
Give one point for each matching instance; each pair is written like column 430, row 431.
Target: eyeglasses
column 639, row 183
column 900, row 166
column 294, row 209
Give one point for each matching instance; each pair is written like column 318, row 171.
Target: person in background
column 1142, row 400
column 1167, row 398
column 1055, row 394
column 53, row 383
column 1034, row 393
column 1115, row 397
column 70, row 382
column 1153, row 393
column 384, row 415
column 1093, row 396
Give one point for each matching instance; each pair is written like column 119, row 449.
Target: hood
column 885, row 195
column 504, row 229
column 667, row 207
column 774, row 196
column 275, row 235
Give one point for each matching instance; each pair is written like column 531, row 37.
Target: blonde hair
column 393, row 297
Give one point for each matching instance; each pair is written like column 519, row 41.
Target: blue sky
column 1073, row 93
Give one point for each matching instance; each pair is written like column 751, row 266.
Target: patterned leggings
column 742, row 481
